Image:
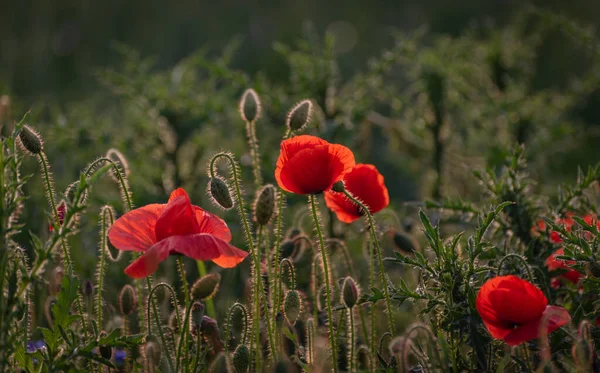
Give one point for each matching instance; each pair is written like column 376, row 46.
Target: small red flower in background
column 366, row 184
column 60, row 209
column 513, row 309
column 310, row 165
column 571, row 275
column 177, row 227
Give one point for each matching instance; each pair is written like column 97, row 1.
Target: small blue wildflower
column 120, row 356
column 31, row 347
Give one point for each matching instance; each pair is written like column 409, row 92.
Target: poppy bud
column 299, row 116
column 30, row 140
column 405, row 242
column 197, row 313
column 592, row 269
column 294, row 232
column 582, row 352
column 350, row 292
column 219, row 191
column 127, row 300
column 241, row 358
column 264, row 204
column 152, row 354
column 119, row 159
column 206, row 287
column 338, row 186
column 88, row 288
column 287, row 248
column 250, row 107
column 210, row 329
column 291, row 306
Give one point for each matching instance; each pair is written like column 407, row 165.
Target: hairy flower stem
column 161, row 333
column 378, row 250
column 254, row 152
column 318, row 229
column 210, row 306
column 253, row 251
column 101, row 267
column 183, row 338
column 275, row 283
column 351, row 340
column 68, row 261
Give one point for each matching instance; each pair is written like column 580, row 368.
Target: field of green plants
column 434, row 211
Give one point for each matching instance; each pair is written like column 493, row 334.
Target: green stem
column 157, row 319
column 372, row 285
column 254, row 152
column 210, row 306
column 248, row 232
column 103, row 248
column 351, row 343
column 275, row 283
column 184, row 329
column 318, row 229
column 378, row 250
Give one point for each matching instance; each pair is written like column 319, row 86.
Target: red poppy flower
column 513, row 309
column 310, row 165
column 177, row 227
column 61, row 209
column 571, row 275
column 366, row 184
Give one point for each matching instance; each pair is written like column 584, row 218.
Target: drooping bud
column 241, row 358
column 264, row 204
column 405, row 242
column 220, row 193
column 338, row 186
column 30, row 140
column 206, row 287
column 350, row 293
column 127, row 300
column 287, row 248
column 291, row 306
column 294, row 232
column 152, row 354
column 197, row 314
column 250, row 107
column 119, row 159
column 299, row 115
column 88, row 288
column 210, row 329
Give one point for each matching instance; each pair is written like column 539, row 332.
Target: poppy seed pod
column 241, row 358
column 250, row 107
column 291, row 306
column 405, row 243
column 220, row 193
column 338, row 186
column 299, row 115
column 197, row 313
column 206, row 287
column 350, row 293
column 127, row 300
column 264, row 204
column 30, row 140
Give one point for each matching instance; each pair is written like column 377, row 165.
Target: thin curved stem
column 318, row 229
column 254, row 152
column 521, row 259
column 186, row 295
column 378, row 250
column 117, row 170
column 248, row 232
column 291, row 270
column 157, row 319
column 102, row 264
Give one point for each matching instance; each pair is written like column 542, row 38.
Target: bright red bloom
column 513, row 310
column 310, row 165
column 552, row 263
column 366, row 184
column 177, row 227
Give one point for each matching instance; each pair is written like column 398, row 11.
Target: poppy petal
column 206, row 247
column 135, row 230
column 147, row 264
column 212, row 224
column 554, row 316
column 179, row 192
column 366, row 184
column 178, row 218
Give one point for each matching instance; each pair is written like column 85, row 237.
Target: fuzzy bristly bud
column 405, row 243
column 350, row 292
column 250, row 107
column 220, row 193
column 152, row 354
column 299, row 116
column 338, row 186
column 30, row 140
column 291, row 306
column 241, row 358
column 206, row 287
column 287, row 248
column 264, row 204
column 197, row 313
column 88, row 288
column 127, row 300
